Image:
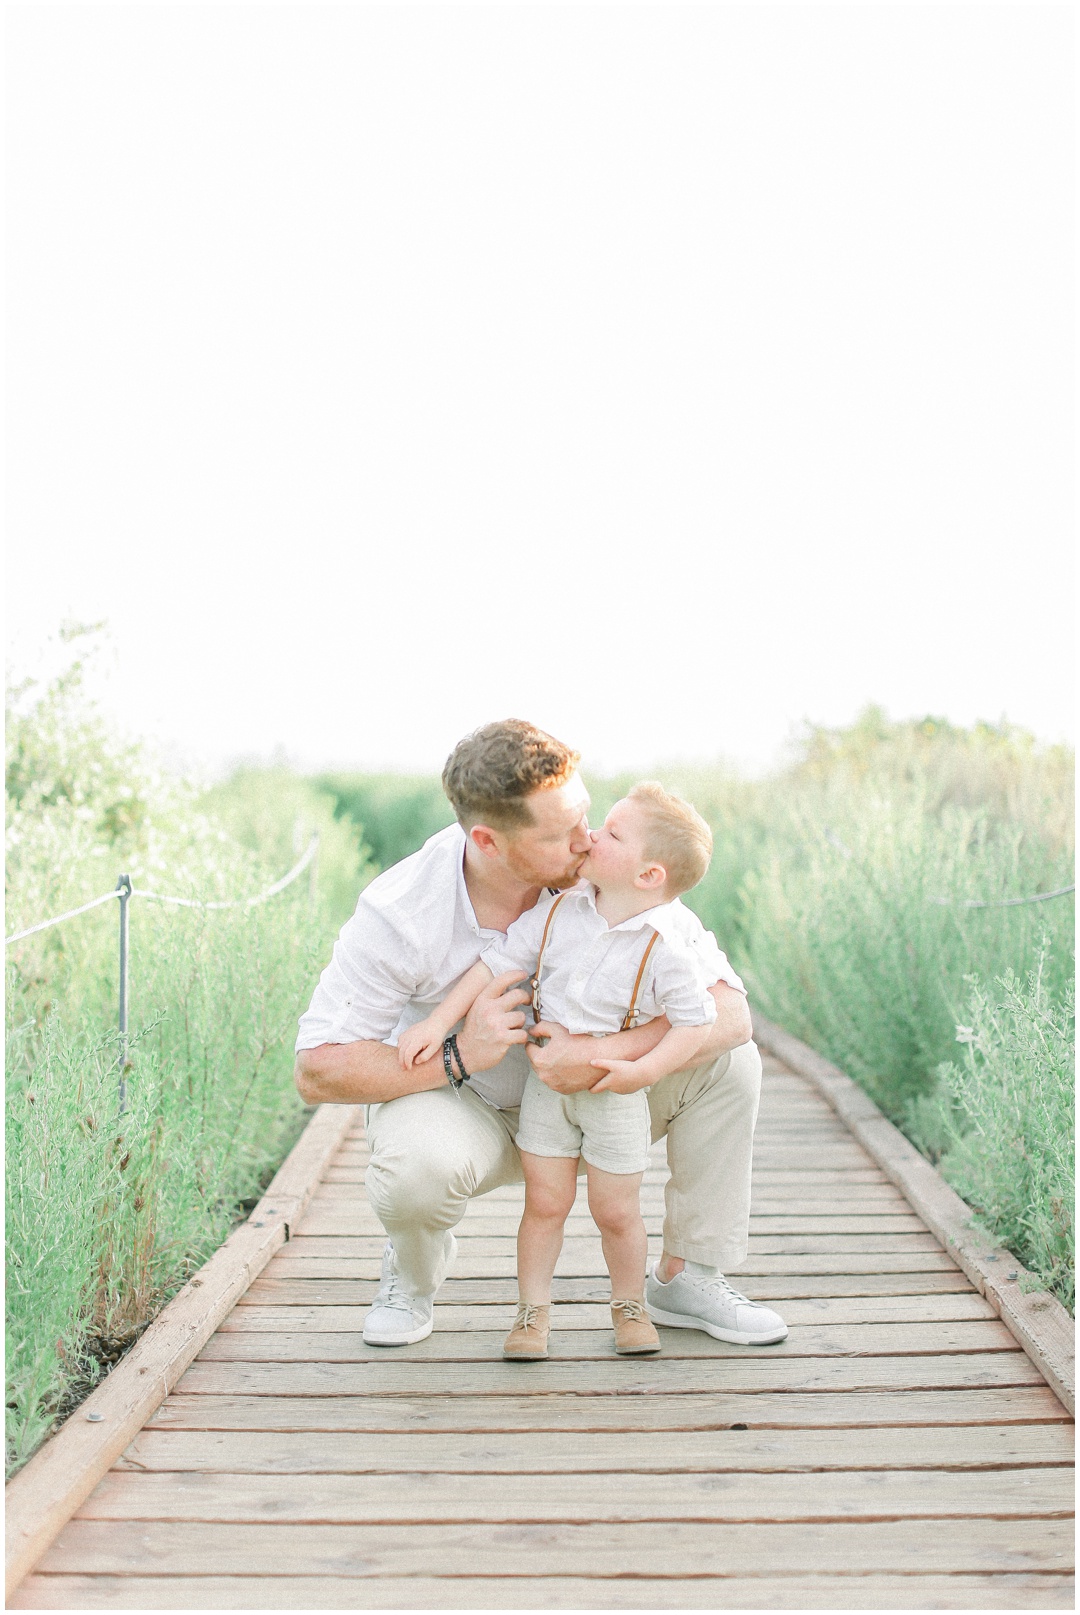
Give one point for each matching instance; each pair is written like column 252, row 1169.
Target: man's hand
column 563, row 1063
column 495, row 1022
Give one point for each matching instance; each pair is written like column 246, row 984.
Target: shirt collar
column 664, row 918
column 458, row 842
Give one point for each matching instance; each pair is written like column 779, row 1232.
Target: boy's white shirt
column 590, row 967
column 412, row 937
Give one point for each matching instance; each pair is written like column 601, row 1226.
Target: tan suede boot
column 634, row 1334
column 527, row 1340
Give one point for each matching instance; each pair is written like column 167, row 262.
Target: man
column 437, row 1140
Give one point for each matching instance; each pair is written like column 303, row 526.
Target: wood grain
column 181, row 1547
column 860, row 1591
column 274, row 1452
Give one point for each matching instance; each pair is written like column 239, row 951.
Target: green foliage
column 858, row 940
column 852, row 931
column 109, row 1213
column 397, row 812
column 1001, row 1121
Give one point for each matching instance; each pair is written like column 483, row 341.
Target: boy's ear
column 652, row 877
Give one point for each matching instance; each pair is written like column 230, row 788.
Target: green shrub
column 1000, row 1122
column 108, row 1213
column 396, row 812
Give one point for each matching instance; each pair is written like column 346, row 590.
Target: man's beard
column 570, row 878
column 526, row 872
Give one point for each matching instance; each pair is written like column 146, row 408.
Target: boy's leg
column 615, row 1203
column 550, row 1189
column 430, row 1153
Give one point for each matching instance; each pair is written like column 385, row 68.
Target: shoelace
column 391, row 1294
column 527, row 1314
column 632, row 1310
column 720, row 1284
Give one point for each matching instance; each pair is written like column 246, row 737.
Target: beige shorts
column 611, row 1131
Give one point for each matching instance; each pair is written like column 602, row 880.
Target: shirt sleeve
column 715, row 962
column 520, row 948
column 373, row 974
column 681, row 986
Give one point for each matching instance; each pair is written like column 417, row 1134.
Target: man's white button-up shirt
column 589, row 967
column 413, row 935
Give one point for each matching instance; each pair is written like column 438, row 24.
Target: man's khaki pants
column 431, row 1152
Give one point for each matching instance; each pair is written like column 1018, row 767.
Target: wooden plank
column 563, row 1451
column 581, row 1246
column 571, row 1264
column 270, row 1289
column 65, row 1470
column 671, row 1548
column 869, row 1200
column 345, row 1219
column 388, row 1499
column 717, row 1411
column 619, row 1377
column 861, row 1591
column 255, row 1319
column 485, row 1344
column 1038, row 1321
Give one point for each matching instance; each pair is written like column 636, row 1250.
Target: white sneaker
column 397, row 1318
column 709, row 1302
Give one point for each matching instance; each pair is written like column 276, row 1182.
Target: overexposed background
column 664, row 374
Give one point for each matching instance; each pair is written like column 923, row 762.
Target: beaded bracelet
column 458, row 1061
column 451, row 1075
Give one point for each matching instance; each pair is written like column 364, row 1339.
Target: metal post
column 123, row 886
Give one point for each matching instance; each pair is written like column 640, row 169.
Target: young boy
column 614, row 950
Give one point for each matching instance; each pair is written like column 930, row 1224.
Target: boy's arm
column 422, row 1040
column 366, row 1072
column 675, row 1050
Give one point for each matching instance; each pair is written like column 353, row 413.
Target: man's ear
column 652, row 877
column 483, row 839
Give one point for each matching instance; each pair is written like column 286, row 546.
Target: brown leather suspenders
column 631, row 1014
column 540, row 958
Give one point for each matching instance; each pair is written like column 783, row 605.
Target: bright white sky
column 663, row 374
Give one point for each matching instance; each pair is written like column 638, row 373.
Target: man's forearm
column 363, row 1073
column 730, row 1030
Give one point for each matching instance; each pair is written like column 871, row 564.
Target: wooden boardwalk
column 897, row 1451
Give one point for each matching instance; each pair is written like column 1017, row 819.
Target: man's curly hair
column 490, row 774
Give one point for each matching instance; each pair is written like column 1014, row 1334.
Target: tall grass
column 108, row 1213
column 1000, row 1120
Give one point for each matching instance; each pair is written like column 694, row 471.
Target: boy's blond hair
column 676, row 835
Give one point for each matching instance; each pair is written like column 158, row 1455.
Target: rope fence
column 124, row 892
column 1001, row 902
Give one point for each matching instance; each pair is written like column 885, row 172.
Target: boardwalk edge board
column 1038, row 1320
column 60, row 1476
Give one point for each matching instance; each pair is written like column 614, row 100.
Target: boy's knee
column 613, row 1215
column 548, row 1202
